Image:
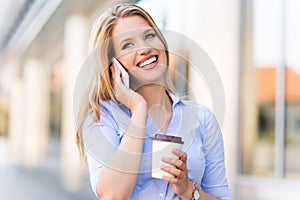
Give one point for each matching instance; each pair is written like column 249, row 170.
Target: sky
column 273, row 33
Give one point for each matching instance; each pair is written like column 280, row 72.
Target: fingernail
column 164, row 158
column 163, row 167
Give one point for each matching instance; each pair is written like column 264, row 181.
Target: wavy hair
column 101, row 88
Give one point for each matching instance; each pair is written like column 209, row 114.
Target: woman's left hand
column 180, row 181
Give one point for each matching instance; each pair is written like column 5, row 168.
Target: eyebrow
column 130, row 38
column 124, row 41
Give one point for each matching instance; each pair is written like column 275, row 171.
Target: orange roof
column 266, row 85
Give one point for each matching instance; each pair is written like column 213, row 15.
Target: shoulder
column 201, row 110
column 204, row 115
column 106, row 111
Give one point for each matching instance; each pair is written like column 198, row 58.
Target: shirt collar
column 176, row 100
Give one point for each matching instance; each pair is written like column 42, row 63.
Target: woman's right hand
column 125, row 95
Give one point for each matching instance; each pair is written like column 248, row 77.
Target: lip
column 147, row 58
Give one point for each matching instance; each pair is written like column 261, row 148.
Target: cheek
column 161, row 48
column 163, row 57
column 127, row 60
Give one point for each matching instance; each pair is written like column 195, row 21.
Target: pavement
column 18, row 182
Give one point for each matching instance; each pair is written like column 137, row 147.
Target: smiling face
column 138, row 47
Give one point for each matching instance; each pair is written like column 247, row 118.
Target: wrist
column 138, row 121
column 188, row 194
column 141, row 106
column 139, row 112
column 137, row 102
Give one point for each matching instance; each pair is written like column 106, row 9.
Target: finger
column 175, row 162
column 169, row 160
column 171, row 180
column 181, row 154
column 174, row 171
column 117, row 73
column 112, row 69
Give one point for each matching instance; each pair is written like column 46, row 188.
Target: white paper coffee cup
column 162, row 146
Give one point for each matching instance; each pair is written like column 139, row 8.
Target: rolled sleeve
column 100, row 140
column 214, row 179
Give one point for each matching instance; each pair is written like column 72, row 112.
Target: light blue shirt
column 195, row 123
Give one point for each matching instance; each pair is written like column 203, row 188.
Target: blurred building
column 44, row 44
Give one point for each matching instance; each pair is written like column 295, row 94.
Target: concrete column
column 35, row 112
column 17, row 122
column 75, row 51
column 248, row 94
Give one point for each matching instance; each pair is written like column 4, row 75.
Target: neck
column 156, row 95
column 159, row 105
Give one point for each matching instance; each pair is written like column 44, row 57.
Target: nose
column 143, row 48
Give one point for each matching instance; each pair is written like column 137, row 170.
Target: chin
column 150, row 78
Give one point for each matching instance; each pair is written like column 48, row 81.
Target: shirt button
column 161, row 195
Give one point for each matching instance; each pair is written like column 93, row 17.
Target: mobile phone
column 125, row 75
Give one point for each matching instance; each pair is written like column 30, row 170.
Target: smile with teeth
column 148, row 61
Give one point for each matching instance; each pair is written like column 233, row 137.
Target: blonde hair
column 102, row 88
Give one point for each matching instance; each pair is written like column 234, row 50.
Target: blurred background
column 254, row 44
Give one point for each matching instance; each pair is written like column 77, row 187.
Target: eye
column 126, row 45
column 149, row 36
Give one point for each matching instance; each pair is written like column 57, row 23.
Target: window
column 270, row 140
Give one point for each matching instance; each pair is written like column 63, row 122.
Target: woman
column 117, row 123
